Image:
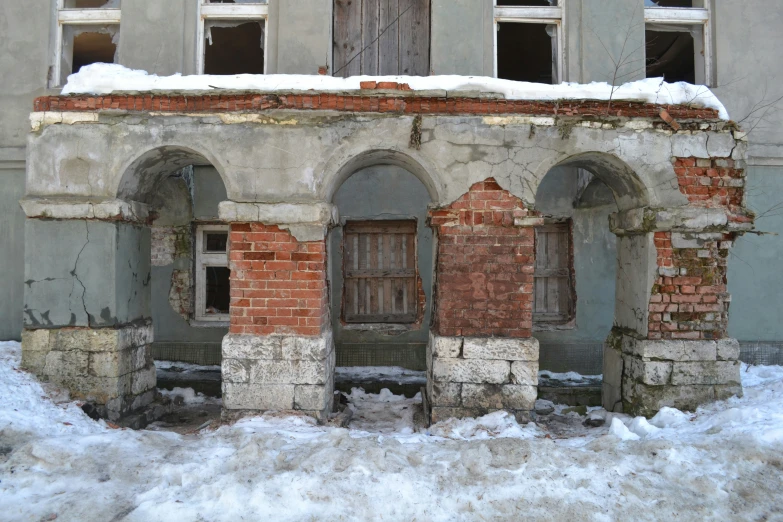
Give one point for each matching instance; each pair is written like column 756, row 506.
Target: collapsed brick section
column 278, row 284
column 411, row 104
column 689, row 298
column 485, row 264
column 715, row 182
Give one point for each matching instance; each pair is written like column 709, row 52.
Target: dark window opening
column 379, row 271
column 525, row 52
column 668, row 3
column 92, row 4
column 554, row 299
column 92, row 48
column 218, row 290
column 671, row 55
column 526, row 3
column 215, row 241
column 234, row 50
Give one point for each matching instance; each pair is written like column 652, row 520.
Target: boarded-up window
column 381, row 37
column 553, row 300
column 379, row 270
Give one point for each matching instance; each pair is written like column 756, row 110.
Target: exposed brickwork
column 278, row 284
column 714, row 182
column 485, row 265
column 410, row 104
column 691, row 303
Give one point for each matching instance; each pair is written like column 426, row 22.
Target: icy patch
column 383, row 412
column 621, row 431
column 104, row 78
column 189, row 395
column 499, row 424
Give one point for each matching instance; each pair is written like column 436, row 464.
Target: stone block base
column 470, row 377
column 279, row 372
column 109, row 367
column 641, row 376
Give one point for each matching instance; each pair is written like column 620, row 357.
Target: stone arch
column 141, row 175
column 344, row 164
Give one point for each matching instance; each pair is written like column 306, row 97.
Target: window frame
column 567, row 321
column 202, row 260
column 231, row 12
column 553, row 15
column 396, row 318
column 77, row 16
column 686, row 16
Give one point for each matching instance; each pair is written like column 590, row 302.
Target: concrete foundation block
column 252, row 347
column 288, row 372
column 613, row 377
column 235, row 370
column 445, row 394
column 440, row 413
column 484, row 396
column 307, row 348
column 647, row 400
column 445, row 347
column 718, row 372
column 243, row 396
column 144, row 380
column 66, row 364
column 313, row 397
column 649, row 372
column 506, row 349
column 524, row 372
column 476, row 371
column 728, row 350
column 671, row 350
column 727, row 391
column 519, row 397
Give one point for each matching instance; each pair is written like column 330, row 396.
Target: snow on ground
column 570, row 377
column 379, row 373
column 104, row 78
column 722, row 462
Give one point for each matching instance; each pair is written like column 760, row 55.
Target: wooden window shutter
column 553, row 298
column 379, row 272
column 381, row 37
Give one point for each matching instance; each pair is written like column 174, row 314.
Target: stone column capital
column 305, row 221
column 86, row 208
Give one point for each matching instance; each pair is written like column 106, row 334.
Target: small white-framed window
column 87, row 32
column 213, row 284
column 231, row 37
column 528, row 40
column 678, row 40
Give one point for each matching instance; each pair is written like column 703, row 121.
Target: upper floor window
column 381, row 37
column 232, row 37
column 529, row 40
column 677, row 40
column 87, row 32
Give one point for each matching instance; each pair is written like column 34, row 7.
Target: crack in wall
column 76, row 276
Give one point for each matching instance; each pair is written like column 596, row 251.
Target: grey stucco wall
column 595, row 255
column 462, row 38
column 300, row 38
column 11, row 253
column 381, row 192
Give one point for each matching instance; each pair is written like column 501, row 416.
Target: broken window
column 677, row 41
column 213, row 285
column 379, row 272
column 232, row 37
column 554, row 299
column 87, row 32
column 381, row 37
column 527, row 41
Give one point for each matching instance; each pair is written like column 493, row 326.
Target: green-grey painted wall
column 381, row 192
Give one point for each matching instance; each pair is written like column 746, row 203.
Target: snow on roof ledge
column 105, row 78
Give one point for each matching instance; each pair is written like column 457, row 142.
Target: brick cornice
column 399, row 104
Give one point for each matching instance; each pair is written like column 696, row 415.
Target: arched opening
column 380, row 260
column 189, row 275
column 579, row 280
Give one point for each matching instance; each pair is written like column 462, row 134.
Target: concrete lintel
column 305, row 221
column 683, row 219
column 39, row 120
column 78, row 208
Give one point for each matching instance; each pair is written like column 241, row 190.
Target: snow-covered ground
column 104, row 78
column 723, row 462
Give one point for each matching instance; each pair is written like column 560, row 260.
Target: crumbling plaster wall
column 258, row 161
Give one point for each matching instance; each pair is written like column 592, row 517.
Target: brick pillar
column 279, row 353
column 679, row 354
column 481, row 356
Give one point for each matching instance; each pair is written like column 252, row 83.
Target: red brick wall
column 363, row 102
column 693, row 304
column 278, row 284
column 712, row 182
column 484, row 268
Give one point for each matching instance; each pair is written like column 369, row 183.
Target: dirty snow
column 189, row 395
column 570, row 377
column 379, row 373
column 104, row 78
column 722, row 462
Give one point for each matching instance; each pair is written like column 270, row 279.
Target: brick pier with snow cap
column 480, row 147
